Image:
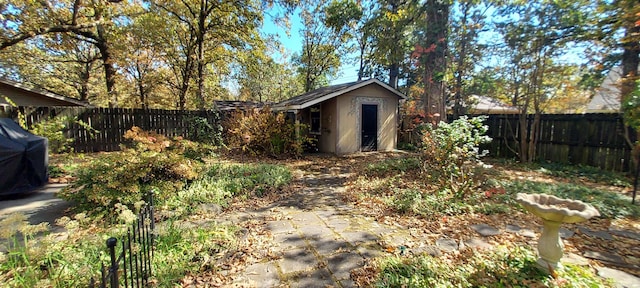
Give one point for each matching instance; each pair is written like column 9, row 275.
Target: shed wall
column 349, row 109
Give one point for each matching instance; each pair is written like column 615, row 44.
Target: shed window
column 315, row 119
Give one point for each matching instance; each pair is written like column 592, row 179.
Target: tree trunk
column 200, row 39
column 435, row 61
column 524, row 129
column 85, row 76
column 363, row 47
column 394, row 71
column 109, row 74
column 533, row 137
column 458, row 108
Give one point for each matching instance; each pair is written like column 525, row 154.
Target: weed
column 502, row 267
column 393, row 166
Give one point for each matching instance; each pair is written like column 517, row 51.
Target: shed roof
column 63, row 100
column 325, row 93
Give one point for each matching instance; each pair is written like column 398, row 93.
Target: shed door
column 369, row 127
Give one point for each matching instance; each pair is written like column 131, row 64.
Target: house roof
column 63, row 100
column 487, row 105
column 478, row 104
column 224, row 105
column 325, row 93
column 607, row 97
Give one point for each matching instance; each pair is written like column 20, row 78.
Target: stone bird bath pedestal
column 554, row 211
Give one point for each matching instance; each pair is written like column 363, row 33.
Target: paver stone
column 485, row 230
column 262, row 275
column 297, row 260
column 319, row 278
column 341, row 264
column 622, row 279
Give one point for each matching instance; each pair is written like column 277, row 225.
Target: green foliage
column 430, row 205
column 224, row 182
column 125, row 177
column 407, row 146
column 53, row 129
column 631, row 108
column 393, row 166
column 49, row 261
column 504, row 267
column 262, row 132
column 21, row 119
column 451, row 154
column 180, row 251
column 201, row 130
column 610, row 204
column 70, row 262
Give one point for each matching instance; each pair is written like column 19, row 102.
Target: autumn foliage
column 263, row 132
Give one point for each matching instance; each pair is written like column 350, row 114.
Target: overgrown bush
column 201, row 130
column 451, row 154
column 154, row 162
column 263, row 132
column 54, row 130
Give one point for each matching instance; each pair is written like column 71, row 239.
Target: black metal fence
column 131, row 259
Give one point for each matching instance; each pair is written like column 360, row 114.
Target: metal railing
column 131, row 261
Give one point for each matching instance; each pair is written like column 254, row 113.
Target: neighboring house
column 487, row 105
column 22, row 95
column 350, row 117
column 607, row 97
column 232, row 105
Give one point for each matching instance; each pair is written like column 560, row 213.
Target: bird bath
column 554, row 211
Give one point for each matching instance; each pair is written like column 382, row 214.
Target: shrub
column 451, row 154
column 54, row 130
column 201, row 130
column 263, row 132
column 125, row 177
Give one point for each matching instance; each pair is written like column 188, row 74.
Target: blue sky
column 292, row 43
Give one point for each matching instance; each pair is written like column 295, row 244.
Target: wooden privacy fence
column 109, row 124
column 589, row 139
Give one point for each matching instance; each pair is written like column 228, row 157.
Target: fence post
column 113, row 270
column 152, row 217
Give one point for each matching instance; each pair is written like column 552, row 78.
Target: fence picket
column 589, row 139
